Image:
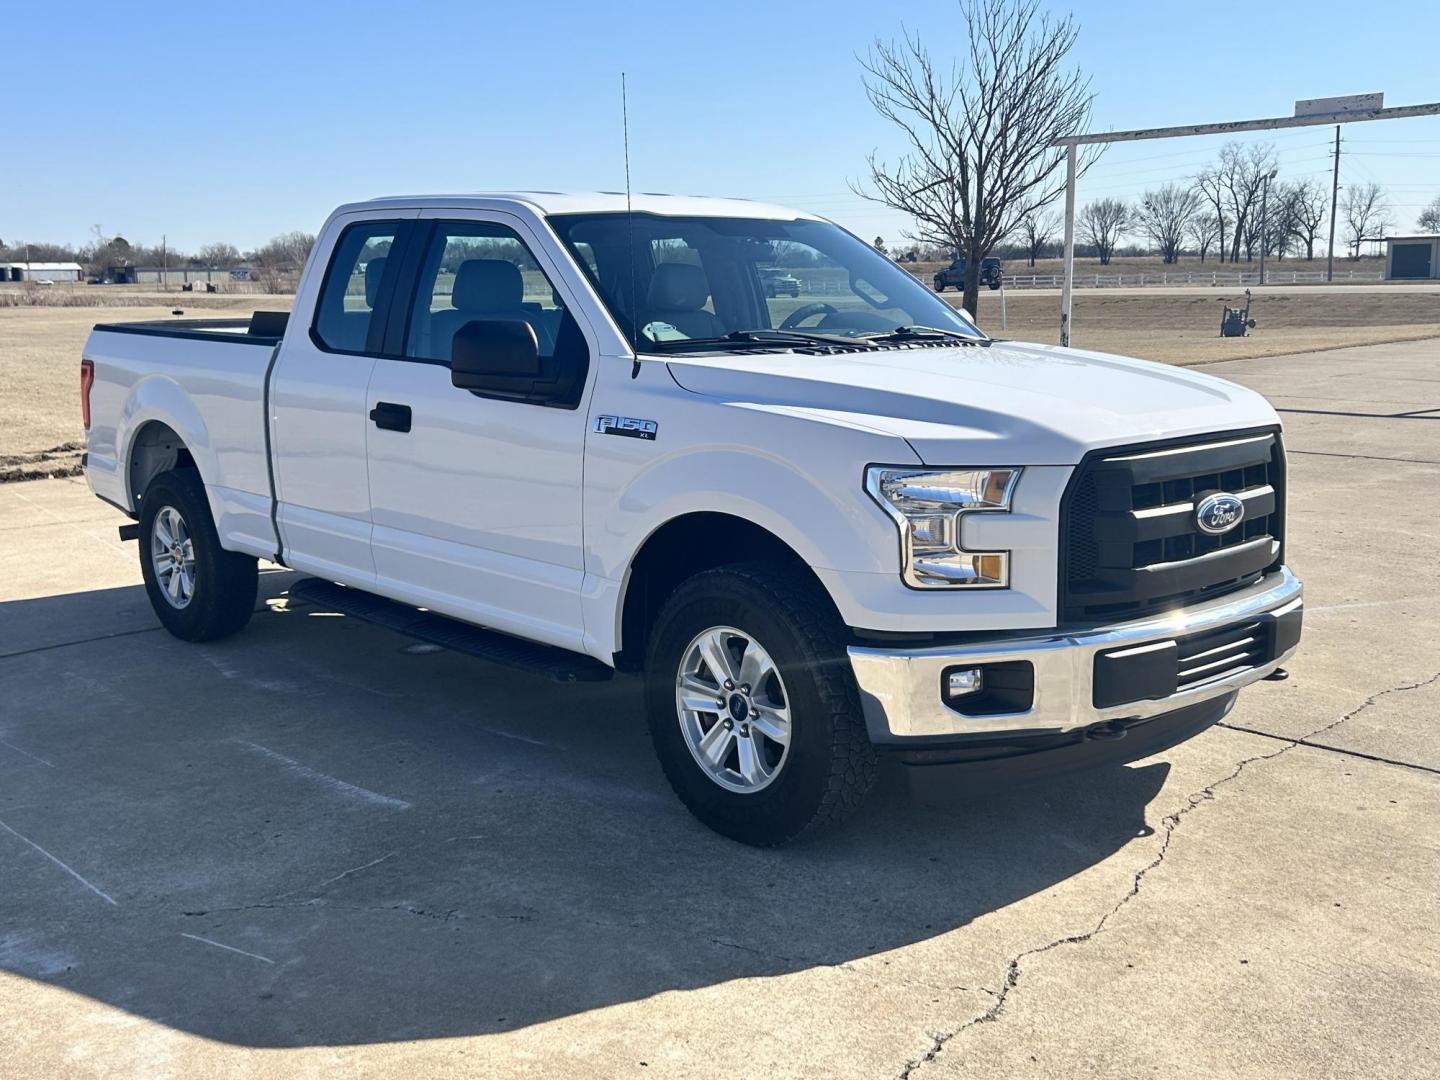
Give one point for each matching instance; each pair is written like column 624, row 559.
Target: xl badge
column 1219, row 513
column 628, row 426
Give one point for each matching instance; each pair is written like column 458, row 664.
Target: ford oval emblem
column 1219, row 513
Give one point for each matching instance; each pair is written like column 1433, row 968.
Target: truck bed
column 262, row 328
column 210, row 377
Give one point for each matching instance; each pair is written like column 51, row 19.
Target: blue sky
column 230, row 122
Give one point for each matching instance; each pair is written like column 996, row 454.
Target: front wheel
column 752, row 706
column 199, row 590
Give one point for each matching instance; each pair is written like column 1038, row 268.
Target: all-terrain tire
column 829, row 765
column 223, row 584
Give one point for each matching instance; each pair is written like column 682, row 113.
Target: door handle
column 391, row 416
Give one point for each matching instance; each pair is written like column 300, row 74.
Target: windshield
column 712, row 281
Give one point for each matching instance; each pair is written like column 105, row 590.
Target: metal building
column 167, row 276
column 41, row 271
column 1412, row 258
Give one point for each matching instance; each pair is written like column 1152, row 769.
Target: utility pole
column 1334, row 203
column 165, row 265
column 1066, row 293
column 1264, row 222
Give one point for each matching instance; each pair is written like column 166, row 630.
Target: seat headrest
column 487, row 285
column 374, row 271
column 678, row 287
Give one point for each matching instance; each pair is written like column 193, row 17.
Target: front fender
column 828, row 522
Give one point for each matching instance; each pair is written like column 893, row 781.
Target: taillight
column 87, row 380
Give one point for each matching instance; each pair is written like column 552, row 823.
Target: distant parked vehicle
column 954, row 274
column 779, row 283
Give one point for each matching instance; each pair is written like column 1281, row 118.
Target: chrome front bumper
column 900, row 689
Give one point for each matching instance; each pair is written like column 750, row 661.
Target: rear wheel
column 752, row 706
column 199, row 590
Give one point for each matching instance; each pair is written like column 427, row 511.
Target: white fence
column 1228, row 278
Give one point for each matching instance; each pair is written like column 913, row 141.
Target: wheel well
column 680, row 549
column 155, row 449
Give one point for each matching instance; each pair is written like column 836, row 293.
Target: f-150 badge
column 628, row 426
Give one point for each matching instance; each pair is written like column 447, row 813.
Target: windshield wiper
column 767, row 336
column 926, row 333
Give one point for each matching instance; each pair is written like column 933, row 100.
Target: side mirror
column 498, row 356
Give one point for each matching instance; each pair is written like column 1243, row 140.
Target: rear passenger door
column 475, row 500
column 317, row 396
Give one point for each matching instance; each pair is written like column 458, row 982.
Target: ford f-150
column 580, row 435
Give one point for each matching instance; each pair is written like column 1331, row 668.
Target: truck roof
column 586, row 202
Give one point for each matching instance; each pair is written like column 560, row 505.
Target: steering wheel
column 800, row 314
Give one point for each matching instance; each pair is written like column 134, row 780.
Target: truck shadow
column 317, row 834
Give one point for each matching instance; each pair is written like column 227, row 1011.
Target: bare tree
column 1039, row 229
column 1281, row 213
column 1429, row 219
column 1367, row 214
column 219, row 255
column 978, row 130
column 1308, row 204
column 1212, row 190
column 1164, row 215
column 1204, row 230
column 1239, row 178
column 1102, row 223
column 277, row 264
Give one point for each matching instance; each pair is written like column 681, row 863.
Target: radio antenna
column 630, row 225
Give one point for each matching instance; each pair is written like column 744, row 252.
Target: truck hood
column 1009, row 404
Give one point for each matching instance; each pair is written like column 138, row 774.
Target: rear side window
column 352, row 286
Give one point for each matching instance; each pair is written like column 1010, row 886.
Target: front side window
column 352, row 286
column 479, row 270
column 678, row 282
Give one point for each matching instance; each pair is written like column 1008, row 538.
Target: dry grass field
column 1151, row 264
column 40, row 433
column 1184, row 328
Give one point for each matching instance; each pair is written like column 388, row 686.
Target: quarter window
column 352, row 286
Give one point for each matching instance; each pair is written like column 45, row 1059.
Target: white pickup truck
column 580, row 436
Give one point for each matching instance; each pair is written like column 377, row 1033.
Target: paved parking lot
column 315, row 849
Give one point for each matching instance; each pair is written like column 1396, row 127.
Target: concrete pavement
column 314, row 849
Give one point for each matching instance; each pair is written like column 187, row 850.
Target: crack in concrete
column 1309, row 742
column 939, row 1040
column 449, row 915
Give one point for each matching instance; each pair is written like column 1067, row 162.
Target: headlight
column 928, row 505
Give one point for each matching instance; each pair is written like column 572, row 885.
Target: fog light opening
column 1000, row 688
column 964, row 681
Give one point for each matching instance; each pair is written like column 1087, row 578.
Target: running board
column 561, row 665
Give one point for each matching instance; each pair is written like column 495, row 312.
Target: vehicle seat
column 374, row 271
column 487, row 289
column 349, row 329
column 677, row 296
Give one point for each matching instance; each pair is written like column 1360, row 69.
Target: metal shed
column 1412, row 258
column 41, row 271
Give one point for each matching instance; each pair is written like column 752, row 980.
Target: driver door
column 476, row 500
